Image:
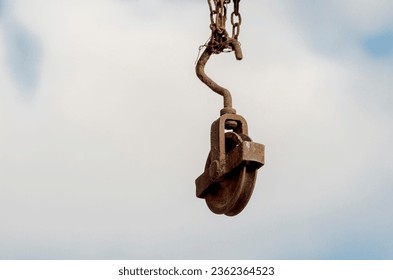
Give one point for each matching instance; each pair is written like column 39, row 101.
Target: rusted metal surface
column 219, row 42
column 230, row 172
column 200, row 71
column 228, row 180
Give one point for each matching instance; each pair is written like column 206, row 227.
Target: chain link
column 236, row 22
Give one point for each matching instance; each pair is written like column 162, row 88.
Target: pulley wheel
column 230, row 195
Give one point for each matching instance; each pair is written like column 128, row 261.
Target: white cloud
column 367, row 15
column 103, row 161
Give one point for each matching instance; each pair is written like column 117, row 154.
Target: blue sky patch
column 23, row 56
column 1, row 7
column 379, row 45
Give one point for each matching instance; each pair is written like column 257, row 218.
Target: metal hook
column 200, row 71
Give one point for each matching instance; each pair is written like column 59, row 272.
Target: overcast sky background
column 104, row 128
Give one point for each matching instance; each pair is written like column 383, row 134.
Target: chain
column 220, row 41
column 236, row 20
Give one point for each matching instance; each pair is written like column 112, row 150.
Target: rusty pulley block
column 231, row 167
column 228, row 180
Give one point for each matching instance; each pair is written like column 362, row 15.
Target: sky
column 104, row 127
